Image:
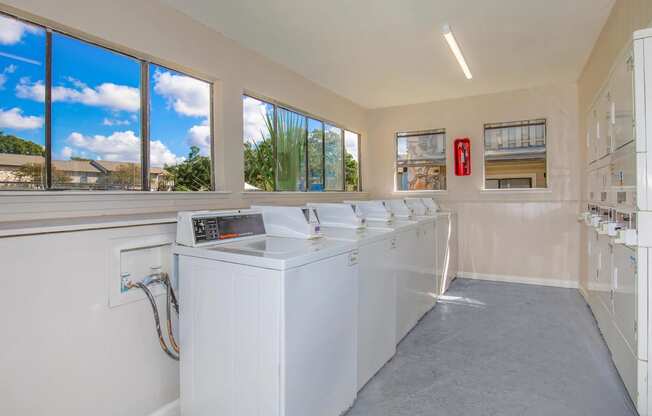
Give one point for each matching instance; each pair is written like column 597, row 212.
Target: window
column 290, row 151
column 421, row 161
column 515, row 155
column 352, row 166
column 315, row 155
column 84, row 113
column 334, row 158
column 286, row 150
column 22, row 112
column 92, row 100
column 180, row 145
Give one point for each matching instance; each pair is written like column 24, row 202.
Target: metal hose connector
column 163, row 279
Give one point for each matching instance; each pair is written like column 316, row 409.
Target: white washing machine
column 409, row 297
column 266, row 322
column 430, row 280
column 376, row 285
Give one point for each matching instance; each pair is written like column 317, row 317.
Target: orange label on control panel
column 232, row 235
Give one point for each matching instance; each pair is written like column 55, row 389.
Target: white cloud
column 9, row 69
column 31, row 91
column 109, row 95
column 254, row 119
column 188, row 96
column 12, row 30
column 14, row 119
column 200, row 136
column 115, row 122
column 160, row 155
column 66, row 153
column 121, row 146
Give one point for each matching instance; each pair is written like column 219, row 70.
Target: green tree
column 259, row 157
column 259, row 164
column 193, row 174
column 17, row 146
column 34, row 173
column 290, row 151
column 351, row 173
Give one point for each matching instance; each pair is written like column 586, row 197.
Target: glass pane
column 290, row 151
column 515, row 155
column 351, row 142
column 421, row 147
column 315, row 155
column 421, row 161
column 180, row 131
column 95, row 117
column 334, row 154
column 258, row 119
column 22, row 110
column 421, row 178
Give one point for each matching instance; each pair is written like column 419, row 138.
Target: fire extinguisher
column 462, row 149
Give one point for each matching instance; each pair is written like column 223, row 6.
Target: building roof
column 97, row 166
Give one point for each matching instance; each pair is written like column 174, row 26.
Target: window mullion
column 323, row 156
column 49, row 172
column 144, row 124
column 343, row 159
column 274, row 145
column 307, row 180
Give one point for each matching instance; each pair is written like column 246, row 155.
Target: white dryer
column 266, row 323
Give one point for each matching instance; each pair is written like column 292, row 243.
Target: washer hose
column 170, row 300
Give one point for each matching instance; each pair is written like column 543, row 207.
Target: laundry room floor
column 500, row 349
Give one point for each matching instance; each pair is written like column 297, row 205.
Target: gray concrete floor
column 500, row 349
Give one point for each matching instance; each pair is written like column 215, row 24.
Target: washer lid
column 362, row 236
column 278, row 253
column 392, row 225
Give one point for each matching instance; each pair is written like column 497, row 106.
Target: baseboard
column 539, row 281
column 584, row 293
column 170, row 409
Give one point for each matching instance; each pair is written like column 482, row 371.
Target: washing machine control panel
column 218, row 228
column 201, row 228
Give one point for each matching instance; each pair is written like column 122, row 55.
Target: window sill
column 518, row 191
column 43, row 205
column 68, row 193
column 299, row 194
column 431, row 192
column 49, row 226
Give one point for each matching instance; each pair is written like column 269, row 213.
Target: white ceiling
column 381, row 53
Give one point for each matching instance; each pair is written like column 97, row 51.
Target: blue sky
column 96, row 100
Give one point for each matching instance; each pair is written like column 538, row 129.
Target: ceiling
column 381, row 53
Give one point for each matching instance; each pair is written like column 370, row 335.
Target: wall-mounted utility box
column 133, row 259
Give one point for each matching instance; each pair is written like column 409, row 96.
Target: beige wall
column 626, row 17
column 531, row 234
column 151, row 30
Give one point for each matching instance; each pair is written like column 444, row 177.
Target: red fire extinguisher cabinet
column 462, row 149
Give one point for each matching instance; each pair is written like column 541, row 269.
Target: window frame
column 324, row 121
column 516, row 123
column 410, row 133
column 144, row 118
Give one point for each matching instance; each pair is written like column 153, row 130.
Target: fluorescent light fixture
column 450, row 38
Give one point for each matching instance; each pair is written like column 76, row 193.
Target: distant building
column 27, row 172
